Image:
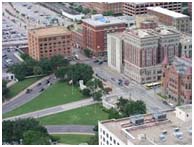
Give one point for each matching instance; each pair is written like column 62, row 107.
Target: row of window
column 108, row 137
column 53, row 38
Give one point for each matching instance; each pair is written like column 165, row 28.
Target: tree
column 113, row 113
column 86, row 92
column 97, row 95
column 35, row 138
column 134, row 108
column 5, row 90
column 79, row 8
column 61, row 72
column 78, row 72
column 37, row 70
column 57, row 61
column 121, row 104
column 86, row 11
column 94, row 84
column 45, row 65
column 88, row 53
column 15, row 131
column 94, row 11
column 108, row 13
column 20, row 70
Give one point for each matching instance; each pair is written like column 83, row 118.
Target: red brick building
column 177, row 80
column 77, row 38
column 95, row 32
column 190, row 8
column 115, row 7
column 135, row 8
column 49, row 41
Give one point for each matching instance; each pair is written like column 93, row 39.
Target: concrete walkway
column 70, row 129
column 56, row 109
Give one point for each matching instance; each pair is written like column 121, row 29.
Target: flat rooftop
column 151, row 130
column 186, row 108
column 100, row 20
column 141, row 33
column 49, row 31
column 167, row 12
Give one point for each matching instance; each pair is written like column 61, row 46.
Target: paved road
column 75, row 129
column 23, row 97
column 56, row 109
column 134, row 90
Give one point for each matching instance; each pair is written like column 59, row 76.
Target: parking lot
column 10, row 32
column 8, row 58
column 37, row 15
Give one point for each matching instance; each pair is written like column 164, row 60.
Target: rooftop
column 49, row 31
column 140, row 33
column 186, row 108
column 182, row 64
column 152, row 131
column 167, row 12
column 100, row 20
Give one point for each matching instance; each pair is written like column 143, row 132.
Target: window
column 110, row 138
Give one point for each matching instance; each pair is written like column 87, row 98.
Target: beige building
column 159, row 128
column 137, row 8
column 145, row 17
column 138, row 53
column 49, row 41
column 186, row 46
column 171, row 18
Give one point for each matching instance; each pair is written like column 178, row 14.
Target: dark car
column 96, row 61
column 165, row 102
column 47, row 81
column 105, row 60
column 101, row 62
column 41, row 89
column 39, row 84
column 28, row 91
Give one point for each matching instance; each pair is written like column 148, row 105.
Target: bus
column 153, row 84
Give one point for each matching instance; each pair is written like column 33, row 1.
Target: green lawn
column 88, row 115
column 56, row 94
column 21, row 85
column 72, row 139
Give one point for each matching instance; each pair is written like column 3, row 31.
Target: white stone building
column 160, row 128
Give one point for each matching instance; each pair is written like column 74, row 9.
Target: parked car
column 101, row 62
column 96, row 61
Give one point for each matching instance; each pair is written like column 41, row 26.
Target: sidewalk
column 55, row 109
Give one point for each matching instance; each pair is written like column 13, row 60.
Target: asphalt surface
column 77, row 129
column 134, row 90
column 24, row 97
column 10, row 55
column 55, row 109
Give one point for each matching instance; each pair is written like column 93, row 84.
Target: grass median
column 21, row 85
column 72, row 139
column 87, row 115
column 57, row 94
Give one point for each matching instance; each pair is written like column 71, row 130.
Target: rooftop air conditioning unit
column 137, row 119
column 159, row 116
